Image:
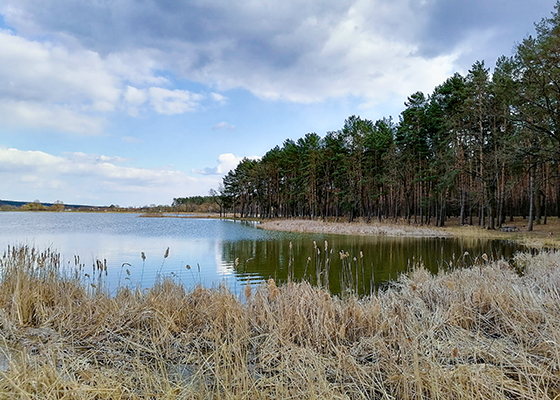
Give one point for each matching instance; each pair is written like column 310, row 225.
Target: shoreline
column 482, row 332
column 543, row 235
column 351, row 228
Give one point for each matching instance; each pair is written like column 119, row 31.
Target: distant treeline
column 204, row 204
column 10, row 205
column 36, row 205
column 482, row 147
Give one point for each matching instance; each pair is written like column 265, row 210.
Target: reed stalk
column 480, row 332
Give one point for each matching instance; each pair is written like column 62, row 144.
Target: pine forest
column 482, row 147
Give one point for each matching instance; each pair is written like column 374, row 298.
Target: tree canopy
column 483, row 147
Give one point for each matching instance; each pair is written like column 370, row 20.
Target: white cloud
column 305, row 52
column 223, row 125
column 226, row 163
column 48, row 116
column 80, row 177
column 135, row 96
column 36, row 71
column 218, row 98
column 80, row 157
column 48, row 86
column 171, row 102
column 290, row 51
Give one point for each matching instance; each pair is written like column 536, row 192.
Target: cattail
column 248, row 290
column 272, row 290
column 143, row 256
column 166, row 253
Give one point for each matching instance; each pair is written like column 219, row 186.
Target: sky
column 136, row 102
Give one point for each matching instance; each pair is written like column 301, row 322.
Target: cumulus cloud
column 218, row 98
column 171, row 102
column 78, row 177
column 35, row 71
column 48, row 116
column 135, row 96
column 97, row 58
column 302, row 52
column 48, row 86
column 226, row 162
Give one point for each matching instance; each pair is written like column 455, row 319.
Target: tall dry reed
column 483, row 332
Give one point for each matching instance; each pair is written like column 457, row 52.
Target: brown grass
column 543, row 235
column 483, row 332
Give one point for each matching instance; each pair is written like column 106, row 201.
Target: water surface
column 211, row 251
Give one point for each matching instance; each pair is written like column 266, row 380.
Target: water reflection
column 210, row 252
column 354, row 263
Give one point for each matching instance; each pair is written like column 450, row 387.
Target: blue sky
column 135, row 102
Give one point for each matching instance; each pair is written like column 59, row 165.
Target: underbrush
column 484, row 332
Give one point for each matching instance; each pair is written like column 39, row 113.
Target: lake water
column 212, row 251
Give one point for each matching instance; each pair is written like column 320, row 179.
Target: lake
column 212, row 251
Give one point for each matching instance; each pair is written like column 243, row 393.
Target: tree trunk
column 531, row 201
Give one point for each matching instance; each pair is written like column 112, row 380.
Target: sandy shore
column 345, row 228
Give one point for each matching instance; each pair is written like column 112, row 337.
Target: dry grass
column 483, row 332
column 354, row 228
column 543, row 235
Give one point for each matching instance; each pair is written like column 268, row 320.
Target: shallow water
column 211, row 251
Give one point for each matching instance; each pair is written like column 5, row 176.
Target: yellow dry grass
column 484, row 332
column 543, row 235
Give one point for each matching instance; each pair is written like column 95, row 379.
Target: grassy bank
column 543, row 235
column 484, row 332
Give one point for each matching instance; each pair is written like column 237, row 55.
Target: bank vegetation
column 485, row 332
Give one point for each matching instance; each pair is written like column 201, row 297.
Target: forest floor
column 543, row 235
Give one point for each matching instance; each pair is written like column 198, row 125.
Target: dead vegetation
column 484, row 332
column 543, row 235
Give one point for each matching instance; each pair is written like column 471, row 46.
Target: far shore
column 543, row 235
column 351, row 228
